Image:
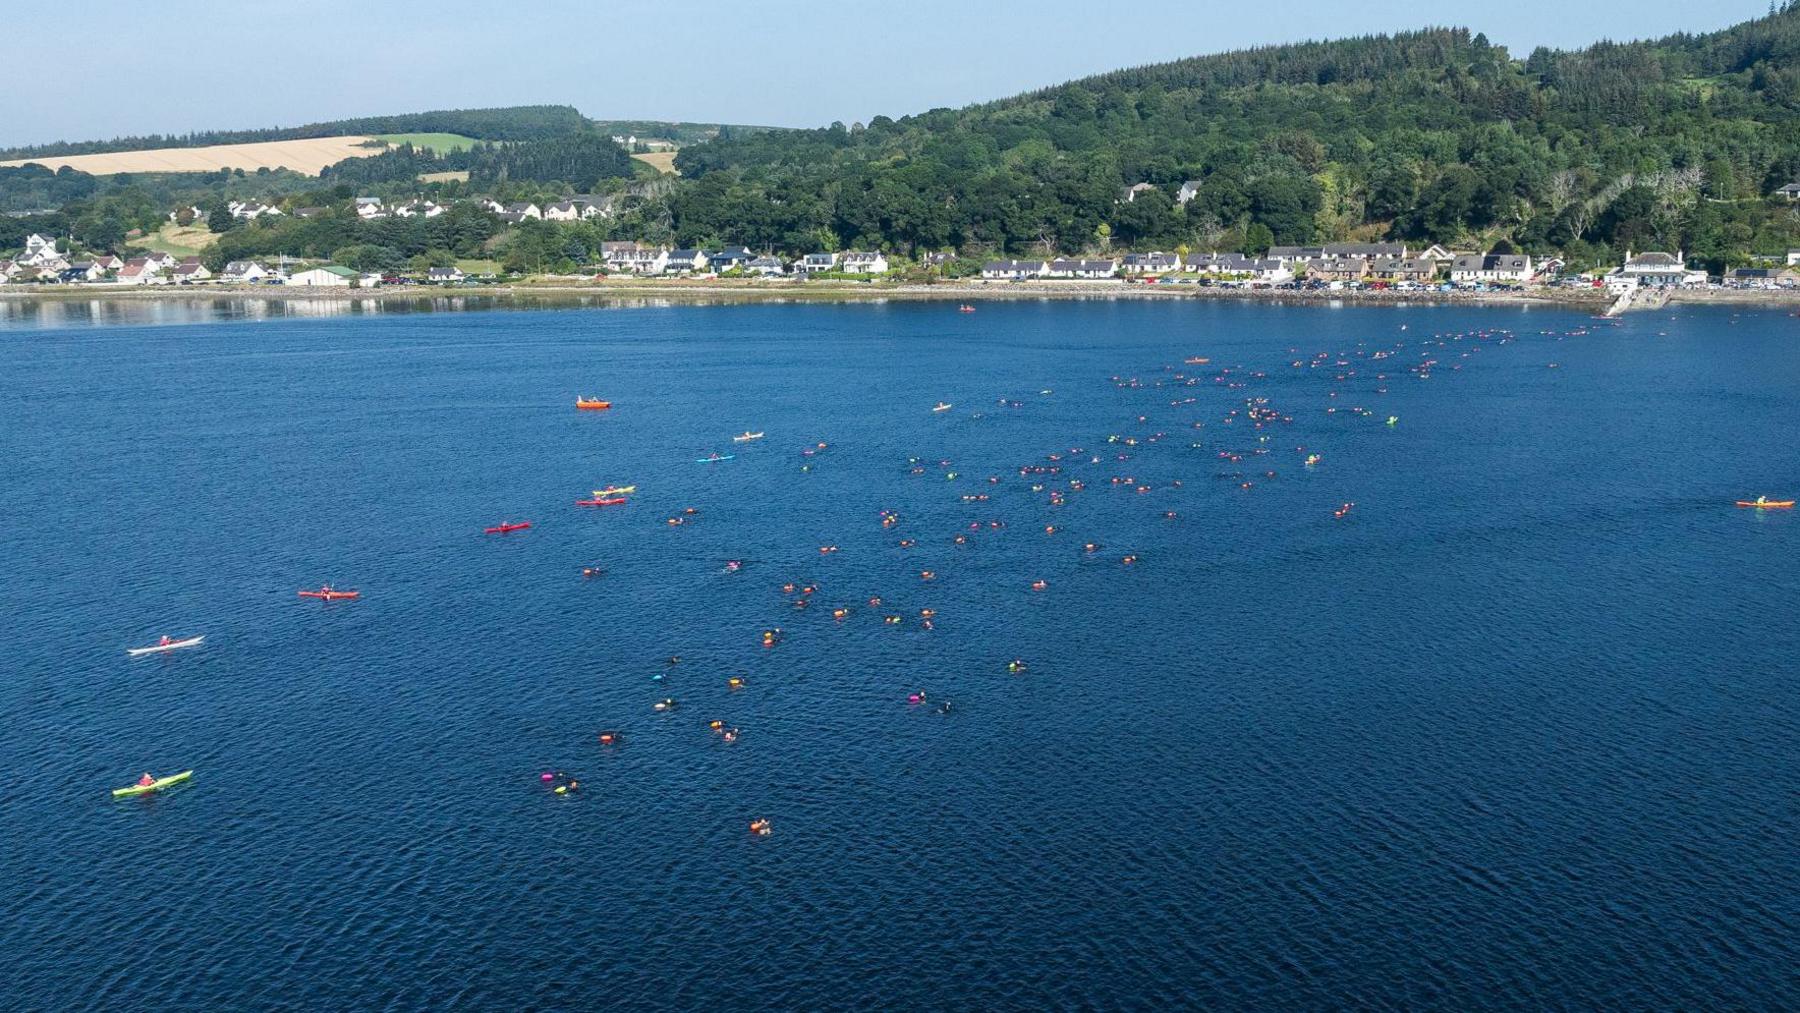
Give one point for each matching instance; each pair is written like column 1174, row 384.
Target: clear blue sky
column 82, row 71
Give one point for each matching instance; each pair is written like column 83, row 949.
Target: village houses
column 1491, row 269
column 864, row 263
column 1013, row 270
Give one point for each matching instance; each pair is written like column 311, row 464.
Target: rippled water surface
column 1518, row 729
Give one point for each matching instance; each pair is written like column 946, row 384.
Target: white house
column 1087, row 270
column 684, row 261
column 525, row 210
column 864, row 263
column 1790, row 191
column 490, row 204
column 191, row 270
column 562, row 211
column 1150, row 263
column 1236, row 266
column 1438, row 254
column 768, row 267
column 369, row 207
column 249, row 210
column 329, row 276
column 1188, row 191
column 729, row 259
column 444, row 275
column 42, row 252
column 1491, row 268
column 813, row 263
column 141, row 271
column 1130, row 193
column 1660, row 269
column 1293, row 255
column 1013, row 270
column 418, row 209
column 1793, row 257
column 591, row 206
column 1363, row 251
column 637, row 260
column 243, row 271
column 108, row 262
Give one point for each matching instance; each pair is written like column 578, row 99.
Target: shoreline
column 788, row 291
column 728, row 291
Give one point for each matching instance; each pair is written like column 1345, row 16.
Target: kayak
column 942, row 406
column 615, row 490
column 501, row 529
column 157, row 785
column 714, row 458
column 601, row 501
column 173, row 645
column 592, row 404
column 746, row 436
column 327, row 594
column 1767, row 504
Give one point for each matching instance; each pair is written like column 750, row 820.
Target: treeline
column 510, row 123
column 1427, row 136
column 580, row 159
column 35, row 188
column 366, row 245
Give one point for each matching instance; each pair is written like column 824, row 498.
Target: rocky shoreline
column 791, row 291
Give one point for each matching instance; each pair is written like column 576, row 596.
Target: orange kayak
column 1767, row 504
column 592, row 404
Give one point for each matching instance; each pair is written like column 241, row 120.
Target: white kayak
column 173, row 645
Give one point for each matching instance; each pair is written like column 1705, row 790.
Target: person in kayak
column 146, row 781
column 165, row 641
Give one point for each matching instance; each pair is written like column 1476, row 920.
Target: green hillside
column 1435, row 135
column 441, row 143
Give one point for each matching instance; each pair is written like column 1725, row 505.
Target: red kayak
column 501, row 529
column 601, row 501
column 330, row 594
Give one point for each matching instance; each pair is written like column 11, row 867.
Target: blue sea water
column 1517, row 730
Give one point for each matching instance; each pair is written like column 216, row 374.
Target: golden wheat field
column 308, row 156
column 661, row 161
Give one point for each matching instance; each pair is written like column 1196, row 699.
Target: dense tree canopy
column 1434, row 135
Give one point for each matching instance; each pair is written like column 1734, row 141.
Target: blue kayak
column 715, row 458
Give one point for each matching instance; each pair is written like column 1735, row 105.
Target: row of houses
column 1344, row 263
column 634, row 258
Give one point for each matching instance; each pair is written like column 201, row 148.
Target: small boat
column 615, row 490
column 591, row 404
column 329, row 593
column 965, row 308
column 154, row 786
column 501, row 529
column 942, row 406
column 1196, row 360
column 714, row 458
column 602, row 501
column 746, row 436
column 173, row 645
column 1764, row 503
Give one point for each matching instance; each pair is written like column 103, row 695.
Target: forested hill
column 1433, row 135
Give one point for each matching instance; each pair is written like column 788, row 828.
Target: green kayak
column 157, row 785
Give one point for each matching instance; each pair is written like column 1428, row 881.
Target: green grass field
column 177, row 241
column 473, row 267
column 439, row 143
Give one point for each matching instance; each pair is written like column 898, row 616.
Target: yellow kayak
column 614, row 490
column 157, row 785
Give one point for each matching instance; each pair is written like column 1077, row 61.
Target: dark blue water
column 1516, row 731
